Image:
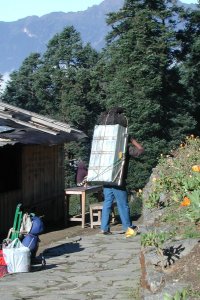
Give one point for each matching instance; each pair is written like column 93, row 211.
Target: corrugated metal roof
column 22, row 126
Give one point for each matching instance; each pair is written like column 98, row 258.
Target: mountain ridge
column 31, row 34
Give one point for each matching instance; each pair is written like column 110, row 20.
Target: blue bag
column 31, row 241
column 37, row 226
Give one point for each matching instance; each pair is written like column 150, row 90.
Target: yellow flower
column 196, row 168
column 186, row 202
column 154, row 179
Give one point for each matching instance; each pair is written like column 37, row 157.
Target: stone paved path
column 81, row 268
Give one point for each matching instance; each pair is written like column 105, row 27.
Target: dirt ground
column 187, row 269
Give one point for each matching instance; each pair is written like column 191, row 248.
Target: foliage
column 176, row 218
column 190, row 231
column 57, row 84
column 190, row 62
column 155, row 238
column 135, row 205
column 139, row 74
column 178, row 177
column 21, row 90
column 60, row 84
column 183, row 295
column 179, row 295
column 148, row 66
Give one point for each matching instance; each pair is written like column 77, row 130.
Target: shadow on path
column 62, row 249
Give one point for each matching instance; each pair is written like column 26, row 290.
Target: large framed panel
column 107, row 154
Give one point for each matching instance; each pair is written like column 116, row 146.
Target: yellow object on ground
column 130, row 232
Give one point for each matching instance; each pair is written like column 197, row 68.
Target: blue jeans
column 121, row 197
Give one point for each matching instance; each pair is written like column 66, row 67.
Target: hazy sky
column 12, row 10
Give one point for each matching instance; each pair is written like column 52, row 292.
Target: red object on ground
column 3, row 266
column 3, row 271
column 2, row 261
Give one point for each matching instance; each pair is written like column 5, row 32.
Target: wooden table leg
column 99, row 196
column 83, row 209
column 66, row 212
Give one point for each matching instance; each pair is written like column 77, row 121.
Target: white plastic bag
column 17, row 257
column 26, row 224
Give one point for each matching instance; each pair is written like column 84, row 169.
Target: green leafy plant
column 183, row 295
column 190, row 231
column 193, row 293
column 179, row 295
column 193, row 211
column 153, row 200
column 178, row 177
column 155, row 239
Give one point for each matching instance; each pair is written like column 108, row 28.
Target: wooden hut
column 32, row 164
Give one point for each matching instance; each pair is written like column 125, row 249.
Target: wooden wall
column 8, row 203
column 43, row 180
column 42, row 186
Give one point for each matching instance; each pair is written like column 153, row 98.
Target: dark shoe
column 136, row 228
column 106, row 232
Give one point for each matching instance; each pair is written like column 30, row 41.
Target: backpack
column 31, row 241
column 37, row 226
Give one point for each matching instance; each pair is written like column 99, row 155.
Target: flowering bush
column 178, row 178
column 186, row 202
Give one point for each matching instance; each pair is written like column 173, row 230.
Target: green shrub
column 178, row 177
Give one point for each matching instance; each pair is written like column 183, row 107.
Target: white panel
column 105, row 165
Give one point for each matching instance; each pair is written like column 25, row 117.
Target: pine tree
column 142, row 76
column 20, row 90
column 190, row 63
column 68, row 64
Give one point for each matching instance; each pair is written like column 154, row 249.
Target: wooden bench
column 96, row 214
column 82, row 192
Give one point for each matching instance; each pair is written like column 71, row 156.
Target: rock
column 169, row 289
column 156, row 280
column 151, row 215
